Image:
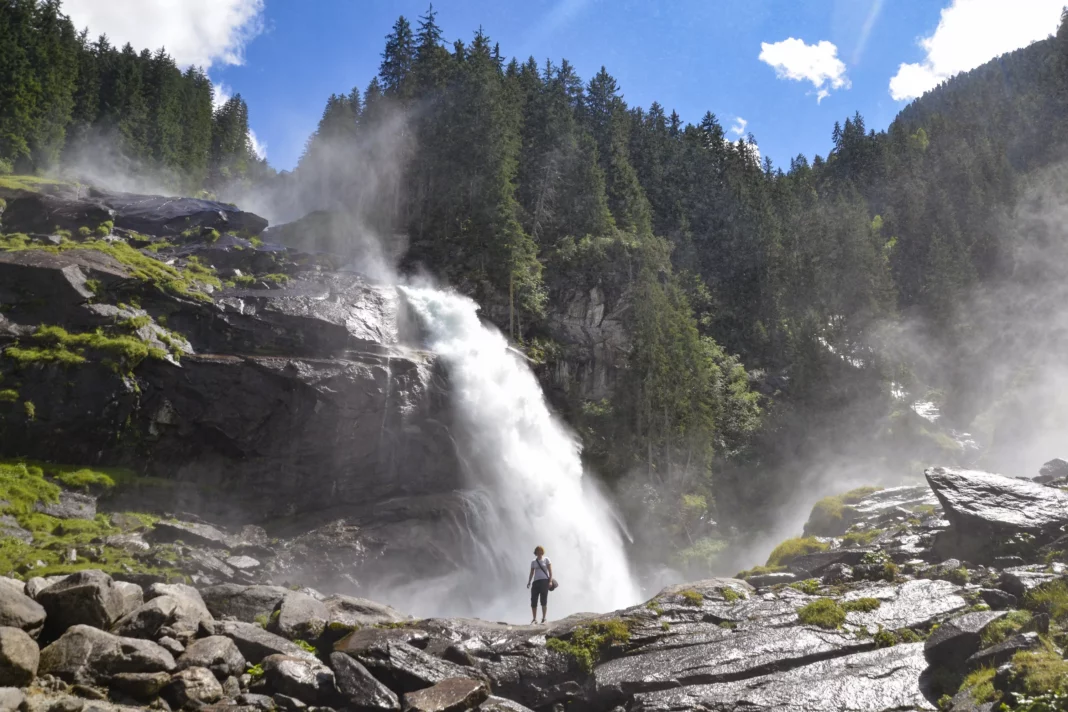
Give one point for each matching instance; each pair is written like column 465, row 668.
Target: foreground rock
column 19, row 657
column 20, row 611
column 452, row 695
column 87, row 655
column 84, row 598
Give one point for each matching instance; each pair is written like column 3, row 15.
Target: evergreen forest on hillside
column 770, row 309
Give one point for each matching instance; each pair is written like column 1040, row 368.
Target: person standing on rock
column 541, row 574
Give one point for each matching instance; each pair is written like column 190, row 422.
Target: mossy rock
column 832, row 516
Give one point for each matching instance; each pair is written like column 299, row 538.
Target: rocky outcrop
column 590, row 326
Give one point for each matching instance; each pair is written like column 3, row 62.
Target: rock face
column 981, row 502
column 20, row 611
column 591, row 325
column 359, row 688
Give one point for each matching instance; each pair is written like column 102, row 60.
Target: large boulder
column 886, row 679
column 87, row 655
column 982, row 503
column 164, row 216
column 20, row 611
column 959, row 638
column 216, row 653
column 404, row 668
column 299, row 616
column 19, row 657
column 245, row 603
column 359, row 688
column 453, row 695
column 354, row 613
column 191, row 533
column 306, row 679
column 192, row 687
column 140, row 685
column 175, row 606
column 255, row 643
column 87, row 597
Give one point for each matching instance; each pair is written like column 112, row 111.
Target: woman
column 541, row 573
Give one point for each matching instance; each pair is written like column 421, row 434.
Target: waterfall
column 524, row 478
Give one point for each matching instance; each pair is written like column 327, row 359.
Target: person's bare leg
column 544, row 610
column 533, row 614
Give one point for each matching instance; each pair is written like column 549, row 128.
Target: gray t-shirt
column 537, row 569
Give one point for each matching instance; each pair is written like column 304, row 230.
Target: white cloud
column 194, row 32
column 220, row 94
column 970, row 33
column 818, row 63
column 260, row 149
column 739, row 126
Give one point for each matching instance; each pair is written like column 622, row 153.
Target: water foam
column 524, row 474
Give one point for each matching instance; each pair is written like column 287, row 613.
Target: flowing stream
column 525, row 484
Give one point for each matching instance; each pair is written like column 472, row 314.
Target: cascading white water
column 525, row 476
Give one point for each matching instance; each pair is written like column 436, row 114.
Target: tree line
column 69, row 100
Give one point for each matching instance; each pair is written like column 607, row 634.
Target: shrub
column 793, row 548
column 692, row 598
column 8, row 395
column 30, row 409
column 305, row 646
column 823, row 612
column 808, row 586
column 587, row 644
column 861, row 605
column 84, row 231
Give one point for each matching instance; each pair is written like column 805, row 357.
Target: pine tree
column 397, row 59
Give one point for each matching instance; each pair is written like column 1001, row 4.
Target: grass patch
column 1003, row 628
column 1040, row 671
column 885, row 638
column 959, row 576
column 277, row 279
column 655, row 607
column 823, row 612
column 587, row 644
column 85, row 479
column 831, row 515
column 1051, row 598
column 861, row 605
column 980, row 684
column 861, row 538
column 793, row 548
column 691, row 597
column 809, row 586
column 53, row 344
column 30, row 184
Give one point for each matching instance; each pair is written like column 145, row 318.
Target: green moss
column 759, row 571
column 305, row 646
column 31, row 184
column 861, row 605
column 655, row 607
column 243, row 280
column 729, row 625
column 925, row 510
column 1050, row 598
column 793, row 548
column 1040, row 671
column 256, row 242
column 665, row 626
column 861, row 538
column 84, row 231
column 885, row 638
column 85, row 479
column 8, row 395
column 907, row 635
column 587, row 644
column 173, row 280
column 104, row 228
column 213, row 236
column 30, row 410
column 136, row 322
column 831, row 515
column 53, row 344
column 823, row 612
column 279, row 279
column 730, row 595
column 809, row 586
column 980, row 685
column 14, row 241
column 691, row 597
column 959, row 576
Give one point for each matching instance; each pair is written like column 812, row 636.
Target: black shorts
column 539, row 589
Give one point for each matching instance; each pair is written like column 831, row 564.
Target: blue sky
column 790, row 69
